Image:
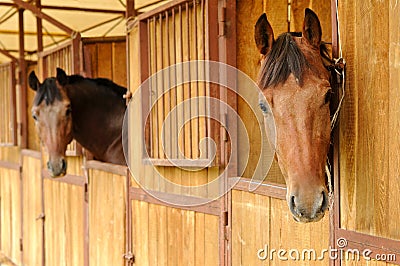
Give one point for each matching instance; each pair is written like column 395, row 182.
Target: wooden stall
column 8, row 123
column 102, row 214
column 368, row 172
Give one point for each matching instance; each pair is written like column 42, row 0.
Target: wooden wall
column 106, row 59
column 259, row 221
column 370, row 120
column 64, row 228
column 171, row 236
column 149, row 176
column 107, row 218
column 10, row 214
column 32, row 227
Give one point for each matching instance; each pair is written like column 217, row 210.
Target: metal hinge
column 41, row 216
column 225, row 221
column 86, row 196
column 226, row 128
column 129, row 257
column 224, row 217
column 221, row 22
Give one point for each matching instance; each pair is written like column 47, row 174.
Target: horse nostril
column 48, row 165
column 325, row 201
column 63, row 165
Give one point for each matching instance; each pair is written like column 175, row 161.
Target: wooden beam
column 22, row 81
column 130, row 9
column 7, row 53
column 38, row 13
column 93, row 10
column 39, row 28
column 34, row 33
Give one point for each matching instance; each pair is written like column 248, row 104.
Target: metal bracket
column 129, row 257
column 221, row 22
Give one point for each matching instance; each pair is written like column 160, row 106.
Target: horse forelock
column 48, row 92
column 285, row 58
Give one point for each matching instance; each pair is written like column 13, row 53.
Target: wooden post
column 22, row 81
column 130, row 9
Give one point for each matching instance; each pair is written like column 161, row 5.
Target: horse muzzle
column 57, row 168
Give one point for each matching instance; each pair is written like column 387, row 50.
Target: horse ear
column 263, row 34
column 62, row 78
column 33, row 81
column 312, row 28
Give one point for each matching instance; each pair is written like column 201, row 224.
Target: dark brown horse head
column 296, row 85
column 52, row 114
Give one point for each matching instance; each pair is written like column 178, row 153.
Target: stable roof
column 92, row 18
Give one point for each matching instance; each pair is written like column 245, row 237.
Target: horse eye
column 35, row 117
column 328, row 96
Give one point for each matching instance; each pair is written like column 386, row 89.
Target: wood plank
column 162, row 236
column 10, row 214
column 104, row 54
column 199, row 258
column 153, row 234
column 175, row 244
column 158, row 53
column 32, row 228
column 211, row 239
column 237, row 223
column 349, row 117
column 394, row 121
column 119, row 63
column 173, row 78
column 188, row 232
column 179, row 58
column 194, row 90
column 107, row 209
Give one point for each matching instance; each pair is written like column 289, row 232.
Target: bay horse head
column 53, row 120
column 296, row 85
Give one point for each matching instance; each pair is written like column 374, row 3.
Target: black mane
column 284, row 58
column 101, row 83
column 48, row 92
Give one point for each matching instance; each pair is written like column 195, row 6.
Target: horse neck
column 97, row 117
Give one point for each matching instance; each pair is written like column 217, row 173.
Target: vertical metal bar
column 168, row 82
column 196, row 153
column 22, row 81
column 128, row 220
column 160, row 90
column 181, row 115
column 187, row 106
column 229, row 45
column 13, row 104
column 144, row 73
column 154, row 103
column 334, row 216
column 175, row 148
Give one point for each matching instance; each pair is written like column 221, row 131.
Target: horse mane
column 47, row 92
column 285, row 58
column 101, row 83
